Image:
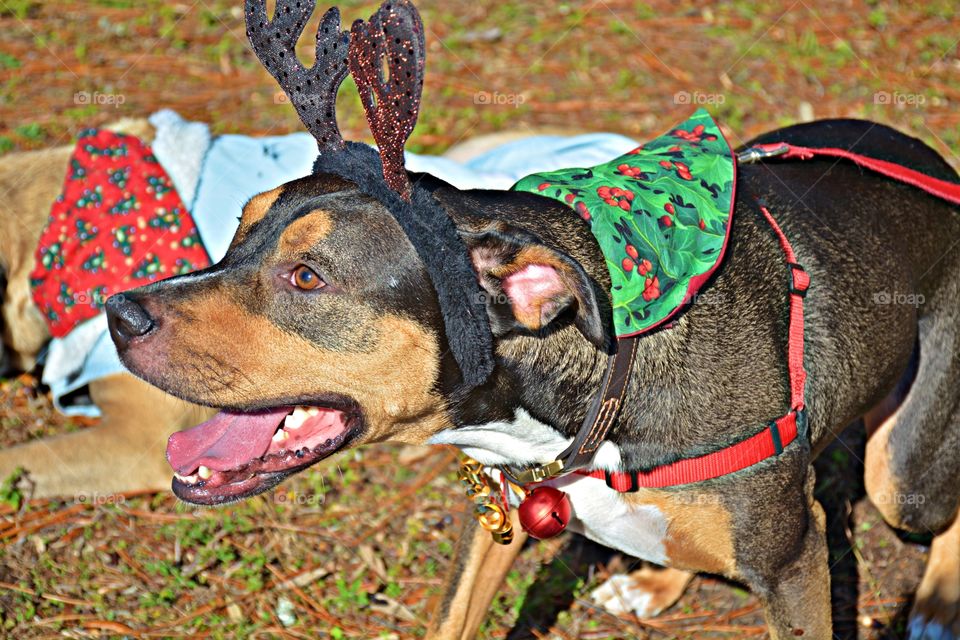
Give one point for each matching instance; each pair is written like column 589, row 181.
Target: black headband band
column 435, row 238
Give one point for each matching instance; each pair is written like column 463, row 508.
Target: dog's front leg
column 479, row 567
column 797, row 601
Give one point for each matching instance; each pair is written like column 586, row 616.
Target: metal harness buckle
column 541, row 473
column 756, row 154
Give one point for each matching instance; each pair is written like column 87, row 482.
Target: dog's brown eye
column 303, row 277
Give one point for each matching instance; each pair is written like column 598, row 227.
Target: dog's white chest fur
column 600, row 513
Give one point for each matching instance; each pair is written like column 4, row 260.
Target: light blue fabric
column 239, row 167
column 101, row 361
column 549, row 153
column 501, row 167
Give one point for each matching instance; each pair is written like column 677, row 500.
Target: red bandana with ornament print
column 118, row 224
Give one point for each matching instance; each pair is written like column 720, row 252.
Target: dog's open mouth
column 237, row 455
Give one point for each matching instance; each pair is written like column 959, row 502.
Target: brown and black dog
column 321, row 330
column 322, row 303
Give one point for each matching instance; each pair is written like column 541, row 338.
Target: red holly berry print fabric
column 118, row 224
column 661, row 214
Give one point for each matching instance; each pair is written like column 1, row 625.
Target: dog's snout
column 127, row 319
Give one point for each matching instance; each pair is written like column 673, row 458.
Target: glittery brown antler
column 393, row 38
column 312, row 91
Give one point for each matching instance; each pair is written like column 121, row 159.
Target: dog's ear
column 528, row 285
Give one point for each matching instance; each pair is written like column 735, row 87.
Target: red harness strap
column 768, row 442
column 949, row 191
column 778, row 434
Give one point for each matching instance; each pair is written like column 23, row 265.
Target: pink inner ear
column 530, row 288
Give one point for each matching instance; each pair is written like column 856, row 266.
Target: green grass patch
column 8, row 62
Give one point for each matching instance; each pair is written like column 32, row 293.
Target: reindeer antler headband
column 393, row 37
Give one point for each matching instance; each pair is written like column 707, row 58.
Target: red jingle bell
column 545, row 512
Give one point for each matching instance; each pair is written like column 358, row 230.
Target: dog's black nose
column 127, row 319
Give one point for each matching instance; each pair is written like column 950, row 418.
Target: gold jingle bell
column 503, row 537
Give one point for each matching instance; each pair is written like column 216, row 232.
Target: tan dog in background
column 125, row 451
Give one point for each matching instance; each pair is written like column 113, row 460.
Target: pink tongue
column 225, row 441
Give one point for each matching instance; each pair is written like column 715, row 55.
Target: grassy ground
column 356, row 547
column 620, row 65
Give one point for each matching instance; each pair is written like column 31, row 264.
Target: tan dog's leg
column 124, row 453
column 936, row 609
column 479, row 567
column 29, row 183
column 646, row 592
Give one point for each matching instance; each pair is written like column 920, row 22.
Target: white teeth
column 296, row 419
column 280, row 436
column 204, row 472
column 187, row 479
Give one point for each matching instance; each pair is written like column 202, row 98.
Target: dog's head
column 332, row 320
column 320, row 329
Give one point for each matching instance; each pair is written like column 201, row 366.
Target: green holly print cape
column 661, row 214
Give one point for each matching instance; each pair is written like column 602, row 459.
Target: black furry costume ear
column 393, row 36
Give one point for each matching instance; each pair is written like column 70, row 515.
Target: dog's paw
column 936, row 614
column 936, row 609
column 645, row 593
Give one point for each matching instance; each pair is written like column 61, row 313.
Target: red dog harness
column 775, row 436
column 768, row 442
